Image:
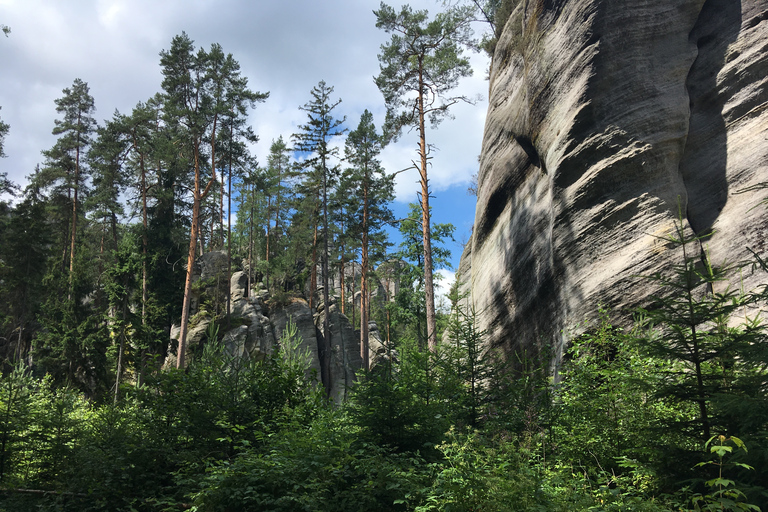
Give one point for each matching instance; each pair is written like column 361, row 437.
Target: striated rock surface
column 604, row 116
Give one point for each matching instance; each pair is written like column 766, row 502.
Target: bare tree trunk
column 269, row 213
column 74, row 215
column 182, row 349
column 229, row 235
column 313, row 270
column 197, row 200
column 121, row 350
column 341, row 277
column 144, row 243
column 364, row 305
column 354, row 277
column 326, row 360
column 429, row 290
column 389, row 317
column 221, row 212
column 250, row 239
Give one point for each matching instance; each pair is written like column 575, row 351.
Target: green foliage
column 42, row 429
column 423, row 56
column 493, row 12
column 396, row 404
column 605, row 403
column 72, row 344
column 693, row 325
column 476, row 475
column 320, row 466
column 408, row 310
column 24, row 250
column 468, row 368
column 723, row 495
column 16, row 395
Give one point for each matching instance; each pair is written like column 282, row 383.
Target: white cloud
column 443, row 287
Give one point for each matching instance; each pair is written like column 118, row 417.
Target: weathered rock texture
column 604, row 115
column 258, row 330
column 345, row 350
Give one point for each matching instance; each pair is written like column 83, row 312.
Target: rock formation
column 604, row 116
column 258, row 328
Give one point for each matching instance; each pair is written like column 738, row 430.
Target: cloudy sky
column 285, row 48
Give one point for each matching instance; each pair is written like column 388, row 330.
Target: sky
column 284, row 48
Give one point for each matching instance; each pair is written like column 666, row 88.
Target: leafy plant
column 723, row 495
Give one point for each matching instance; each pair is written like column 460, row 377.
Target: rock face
column 298, row 312
column 257, row 330
column 345, row 350
column 606, row 117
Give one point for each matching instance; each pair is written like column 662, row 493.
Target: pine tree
column 141, row 129
column 185, row 104
column 691, row 324
column 276, row 192
column 25, row 241
column 410, row 305
column 372, row 189
column 493, row 12
column 107, row 158
column 420, row 66
column 64, row 168
column 200, row 89
column 314, row 138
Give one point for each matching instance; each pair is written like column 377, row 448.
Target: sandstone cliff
column 604, row 115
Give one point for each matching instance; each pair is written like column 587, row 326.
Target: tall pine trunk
column 74, row 213
column 364, row 311
column 429, row 290
column 326, row 360
column 144, row 244
column 198, row 197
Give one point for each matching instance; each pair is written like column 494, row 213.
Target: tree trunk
column 197, row 200
column 250, row 239
column 121, row 348
column 364, row 311
column 354, row 276
column 313, row 270
column 326, row 360
column 144, row 243
column 388, row 297
column 269, row 213
column 341, row 274
column 221, row 212
column 229, row 235
column 74, row 214
column 182, row 349
column 429, row 290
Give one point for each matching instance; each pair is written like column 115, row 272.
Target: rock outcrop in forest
column 604, row 116
column 258, row 323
